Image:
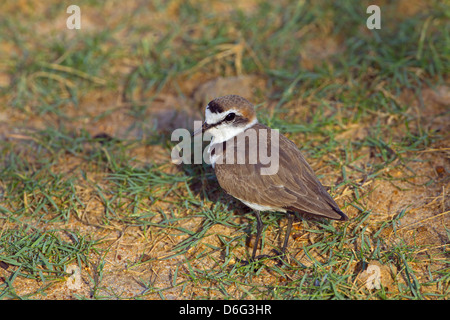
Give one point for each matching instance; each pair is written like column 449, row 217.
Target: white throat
column 223, row 133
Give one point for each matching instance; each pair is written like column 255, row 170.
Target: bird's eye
column 230, row 117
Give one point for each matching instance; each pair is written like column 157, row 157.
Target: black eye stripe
column 230, row 116
column 240, row 119
column 237, row 119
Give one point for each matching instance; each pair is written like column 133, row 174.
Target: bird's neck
column 227, row 133
column 223, row 135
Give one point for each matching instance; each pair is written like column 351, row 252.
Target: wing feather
column 294, row 187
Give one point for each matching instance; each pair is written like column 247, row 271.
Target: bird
column 292, row 189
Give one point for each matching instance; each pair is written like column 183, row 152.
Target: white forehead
column 211, row 117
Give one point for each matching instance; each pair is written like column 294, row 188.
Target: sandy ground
column 424, row 224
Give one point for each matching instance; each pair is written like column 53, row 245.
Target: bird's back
column 293, row 187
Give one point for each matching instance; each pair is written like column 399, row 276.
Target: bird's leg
column 259, row 226
column 282, row 254
column 290, row 218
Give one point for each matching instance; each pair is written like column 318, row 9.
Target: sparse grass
column 40, row 255
column 69, row 195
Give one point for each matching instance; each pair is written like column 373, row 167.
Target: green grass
column 40, row 255
column 57, row 175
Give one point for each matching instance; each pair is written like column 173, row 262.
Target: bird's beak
column 205, row 126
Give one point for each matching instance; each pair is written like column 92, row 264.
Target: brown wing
column 294, row 187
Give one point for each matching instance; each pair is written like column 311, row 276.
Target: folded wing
column 293, row 187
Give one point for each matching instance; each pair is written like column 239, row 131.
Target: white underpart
column 259, row 207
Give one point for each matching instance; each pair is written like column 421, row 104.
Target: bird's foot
column 281, row 256
column 255, row 259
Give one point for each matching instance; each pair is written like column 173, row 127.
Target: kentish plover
column 292, row 188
